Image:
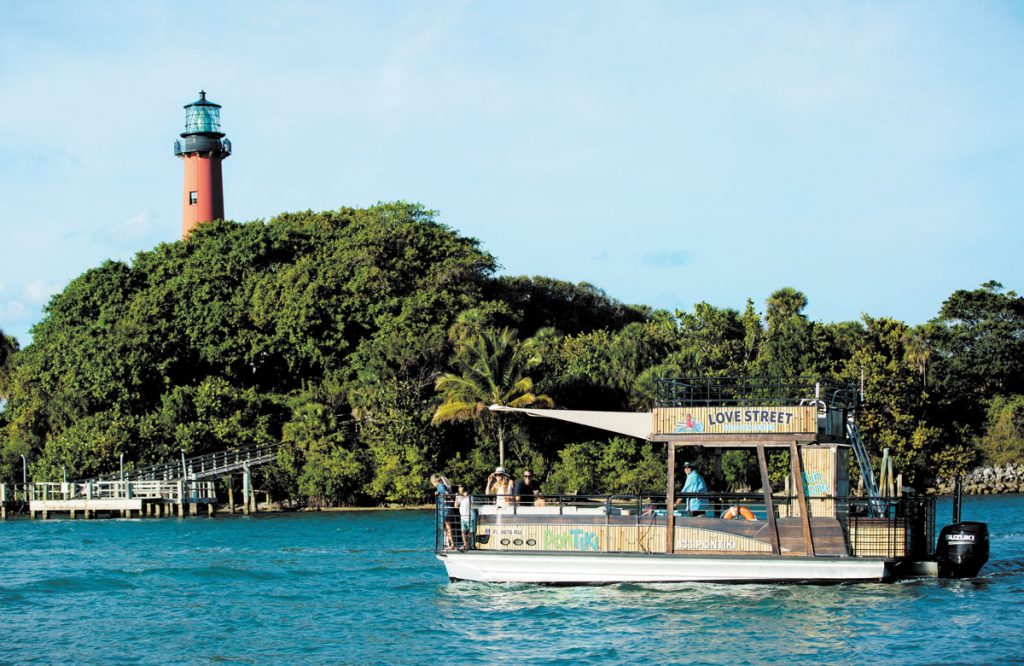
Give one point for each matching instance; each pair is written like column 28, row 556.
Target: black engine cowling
column 962, row 549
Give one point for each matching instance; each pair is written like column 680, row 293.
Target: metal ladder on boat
column 875, row 503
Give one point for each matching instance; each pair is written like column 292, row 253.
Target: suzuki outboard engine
column 963, row 546
column 962, row 550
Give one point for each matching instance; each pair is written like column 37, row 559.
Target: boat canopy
column 634, row 424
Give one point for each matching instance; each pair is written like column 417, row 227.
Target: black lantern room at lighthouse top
column 202, row 130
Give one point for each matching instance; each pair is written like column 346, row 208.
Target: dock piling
column 246, row 489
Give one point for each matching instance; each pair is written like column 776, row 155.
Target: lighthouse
column 202, row 147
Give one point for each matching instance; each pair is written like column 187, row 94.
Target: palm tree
column 918, row 349
column 490, row 369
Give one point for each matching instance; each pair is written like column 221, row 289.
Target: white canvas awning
column 634, row 424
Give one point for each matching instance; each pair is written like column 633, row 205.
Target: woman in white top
column 500, row 484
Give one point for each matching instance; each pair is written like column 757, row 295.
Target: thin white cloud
column 11, row 310
column 136, row 226
column 40, row 290
column 672, row 259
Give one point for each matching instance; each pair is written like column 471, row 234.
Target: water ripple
column 344, row 588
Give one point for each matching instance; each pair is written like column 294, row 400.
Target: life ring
column 739, row 512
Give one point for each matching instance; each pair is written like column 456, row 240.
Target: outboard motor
column 963, row 549
column 963, row 546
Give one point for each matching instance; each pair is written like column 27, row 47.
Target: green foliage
column 337, row 332
column 978, row 342
column 400, row 444
column 8, row 352
column 320, row 456
column 619, row 466
column 1003, row 440
column 608, row 366
column 575, row 471
column 894, row 406
column 541, row 301
column 490, row 369
column 202, row 344
column 740, row 471
column 787, row 348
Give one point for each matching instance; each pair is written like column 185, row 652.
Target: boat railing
column 755, row 390
column 843, row 526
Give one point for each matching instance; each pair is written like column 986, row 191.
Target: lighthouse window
column 193, row 198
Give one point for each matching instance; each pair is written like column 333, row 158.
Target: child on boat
column 465, row 504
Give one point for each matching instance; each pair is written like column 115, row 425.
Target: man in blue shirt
column 694, row 484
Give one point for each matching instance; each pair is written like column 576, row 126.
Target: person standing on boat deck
column 499, row 483
column 694, row 484
column 526, row 490
column 465, row 504
column 443, row 487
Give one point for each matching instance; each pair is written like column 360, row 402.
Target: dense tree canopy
column 345, row 333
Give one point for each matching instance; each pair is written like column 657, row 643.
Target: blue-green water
column 364, row 588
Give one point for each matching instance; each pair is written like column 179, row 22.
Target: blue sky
column 867, row 153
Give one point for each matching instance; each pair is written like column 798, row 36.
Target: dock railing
column 202, row 467
column 174, row 492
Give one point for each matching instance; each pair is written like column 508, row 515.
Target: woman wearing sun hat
column 499, row 483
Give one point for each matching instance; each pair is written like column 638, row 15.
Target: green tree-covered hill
column 329, row 331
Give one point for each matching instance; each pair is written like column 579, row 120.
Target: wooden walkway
column 181, row 487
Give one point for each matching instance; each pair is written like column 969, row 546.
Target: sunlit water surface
column 365, row 588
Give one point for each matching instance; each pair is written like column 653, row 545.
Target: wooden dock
column 181, row 488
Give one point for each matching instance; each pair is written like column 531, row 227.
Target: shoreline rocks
column 986, row 481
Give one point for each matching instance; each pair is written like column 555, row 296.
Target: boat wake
column 1005, row 567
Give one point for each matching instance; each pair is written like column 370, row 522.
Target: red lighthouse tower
column 202, row 147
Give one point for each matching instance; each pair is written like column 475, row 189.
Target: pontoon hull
column 598, row 569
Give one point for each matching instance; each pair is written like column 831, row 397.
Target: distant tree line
column 371, row 342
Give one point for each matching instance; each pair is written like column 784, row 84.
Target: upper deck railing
column 760, row 391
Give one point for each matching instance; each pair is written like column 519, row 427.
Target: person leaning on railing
column 443, row 488
column 526, row 490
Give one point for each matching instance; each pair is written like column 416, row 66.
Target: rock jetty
column 987, row 481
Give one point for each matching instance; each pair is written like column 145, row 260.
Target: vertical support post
column 231, row 494
column 958, row 491
column 246, row 489
column 211, row 510
column 769, row 503
column 3, row 501
column 796, row 469
column 181, row 498
column 88, row 500
column 670, row 501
